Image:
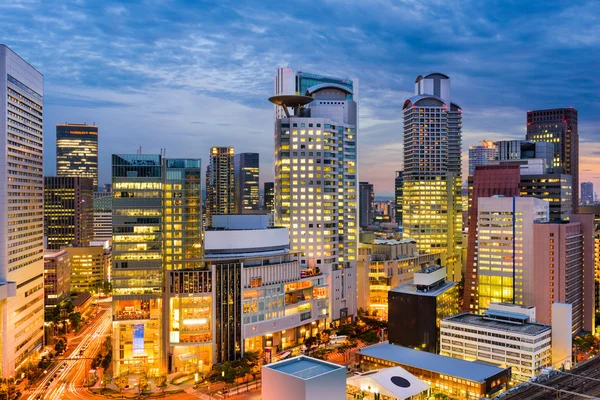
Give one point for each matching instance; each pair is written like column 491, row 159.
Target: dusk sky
column 190, row 75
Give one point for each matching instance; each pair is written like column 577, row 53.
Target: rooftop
column 470, row 370
column 527, row 328
column 304, row 367
column 410, row 288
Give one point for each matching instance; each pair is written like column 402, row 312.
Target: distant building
column 398, row 194
column 246, row 183
column 416, row 309
column 57, row 277
column 383, row 265
column 587, row 192
column 482, row 155
column 103, row 216
column 525, row 150
column 518, row 343
column 269, row 196
column 220, row 182
column 595, row 210
column 88, row 267
column 367, row 204
column 77, row 151
column 458, row 379
column 559, row 126
column 68, row 211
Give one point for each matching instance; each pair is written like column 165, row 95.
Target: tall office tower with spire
column 432, row 207
column 482, row 155
column 21, row 212
column 316, row 177
column 246, row 183
column 220, row 182
column 77, row 151
column 559, row 126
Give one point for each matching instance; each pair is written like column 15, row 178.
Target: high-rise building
column 269, row 196
column 563, row 270
column 68, row 211
column 398, row 187
column 416, row 309
column 77, row 151
column 525, row 149
column 559, row 126
column 316, row 177
column 505, row 232
column 57, row 277
column 487, row 181
column 21, row 211
column 587, row 192
column 102, row 215
column 246, row 183
column 367, row 204
column 482, row 155
column 220, row 186
column 88, row 267
column 432, row 207
column 157, row 234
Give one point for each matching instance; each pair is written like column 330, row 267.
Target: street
column 65, row 379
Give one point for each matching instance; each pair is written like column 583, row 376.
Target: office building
column 563, row 270
column 367, row 204
column 432, row 208
column 269, row 196
column 416, row 309
column 555, row 188
column 316, row 178
column 501, row 336
column 482, row 155
column 21, row 212
column 88, row 267
column 525, row 150
column 455, row 378
column 220, row 182
column 77, row 151
column 384, row 264
column 398, row 186
column 246, row 183
column 57, row 278
column 103, row 216
column 505, row 229
column 595, row 210
column 68, row 211
column 303, row 378
column 157, row 229
column 560, row 127
column 487, row 181
column 587, row 192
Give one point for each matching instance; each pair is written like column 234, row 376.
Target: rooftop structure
column 394, row 383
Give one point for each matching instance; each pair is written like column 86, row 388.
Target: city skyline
column 500, row 67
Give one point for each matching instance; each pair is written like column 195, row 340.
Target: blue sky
column 189, row 75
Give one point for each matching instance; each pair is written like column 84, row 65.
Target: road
column 65, row 379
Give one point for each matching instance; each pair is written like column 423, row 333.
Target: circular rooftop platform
column 290, row 100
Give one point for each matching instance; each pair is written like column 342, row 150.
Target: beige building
column 89, row 266
column 386, row 264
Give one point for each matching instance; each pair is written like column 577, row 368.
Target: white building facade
column 316, row 178
column 21, row 211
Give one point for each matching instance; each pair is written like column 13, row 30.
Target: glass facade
column 246, row 183
column 220, row 183
column 77, row 151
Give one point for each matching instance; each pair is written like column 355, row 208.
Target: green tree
column 347, row 330
column 369, row 337
column 121, row 381
column 75, row 319
column 106, row 380
column 310, row 342
column 142, row 384
column 162, row 383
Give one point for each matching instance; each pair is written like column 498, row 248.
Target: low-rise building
column 57, row 277
column 509, row 339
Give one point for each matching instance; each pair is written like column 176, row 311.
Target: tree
column 369, row 337
column 310, row 342
column 347, row 330
column 75, row 318
column 106, row 380
column 142, row 384
column 121, row 381
column 162, row 383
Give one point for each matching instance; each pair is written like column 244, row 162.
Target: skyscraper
column 102, row 215
column 316, row 177
column 432, row 207
column 587, row 192
column 21, row 211
column 482, row 155
column 220, row 186
column 559, row 126
column 398, row 195
column 525, row 150
column 68, row 211
column 366, row 201
column 77, row 151
column 269, row 195
column 246, row 182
